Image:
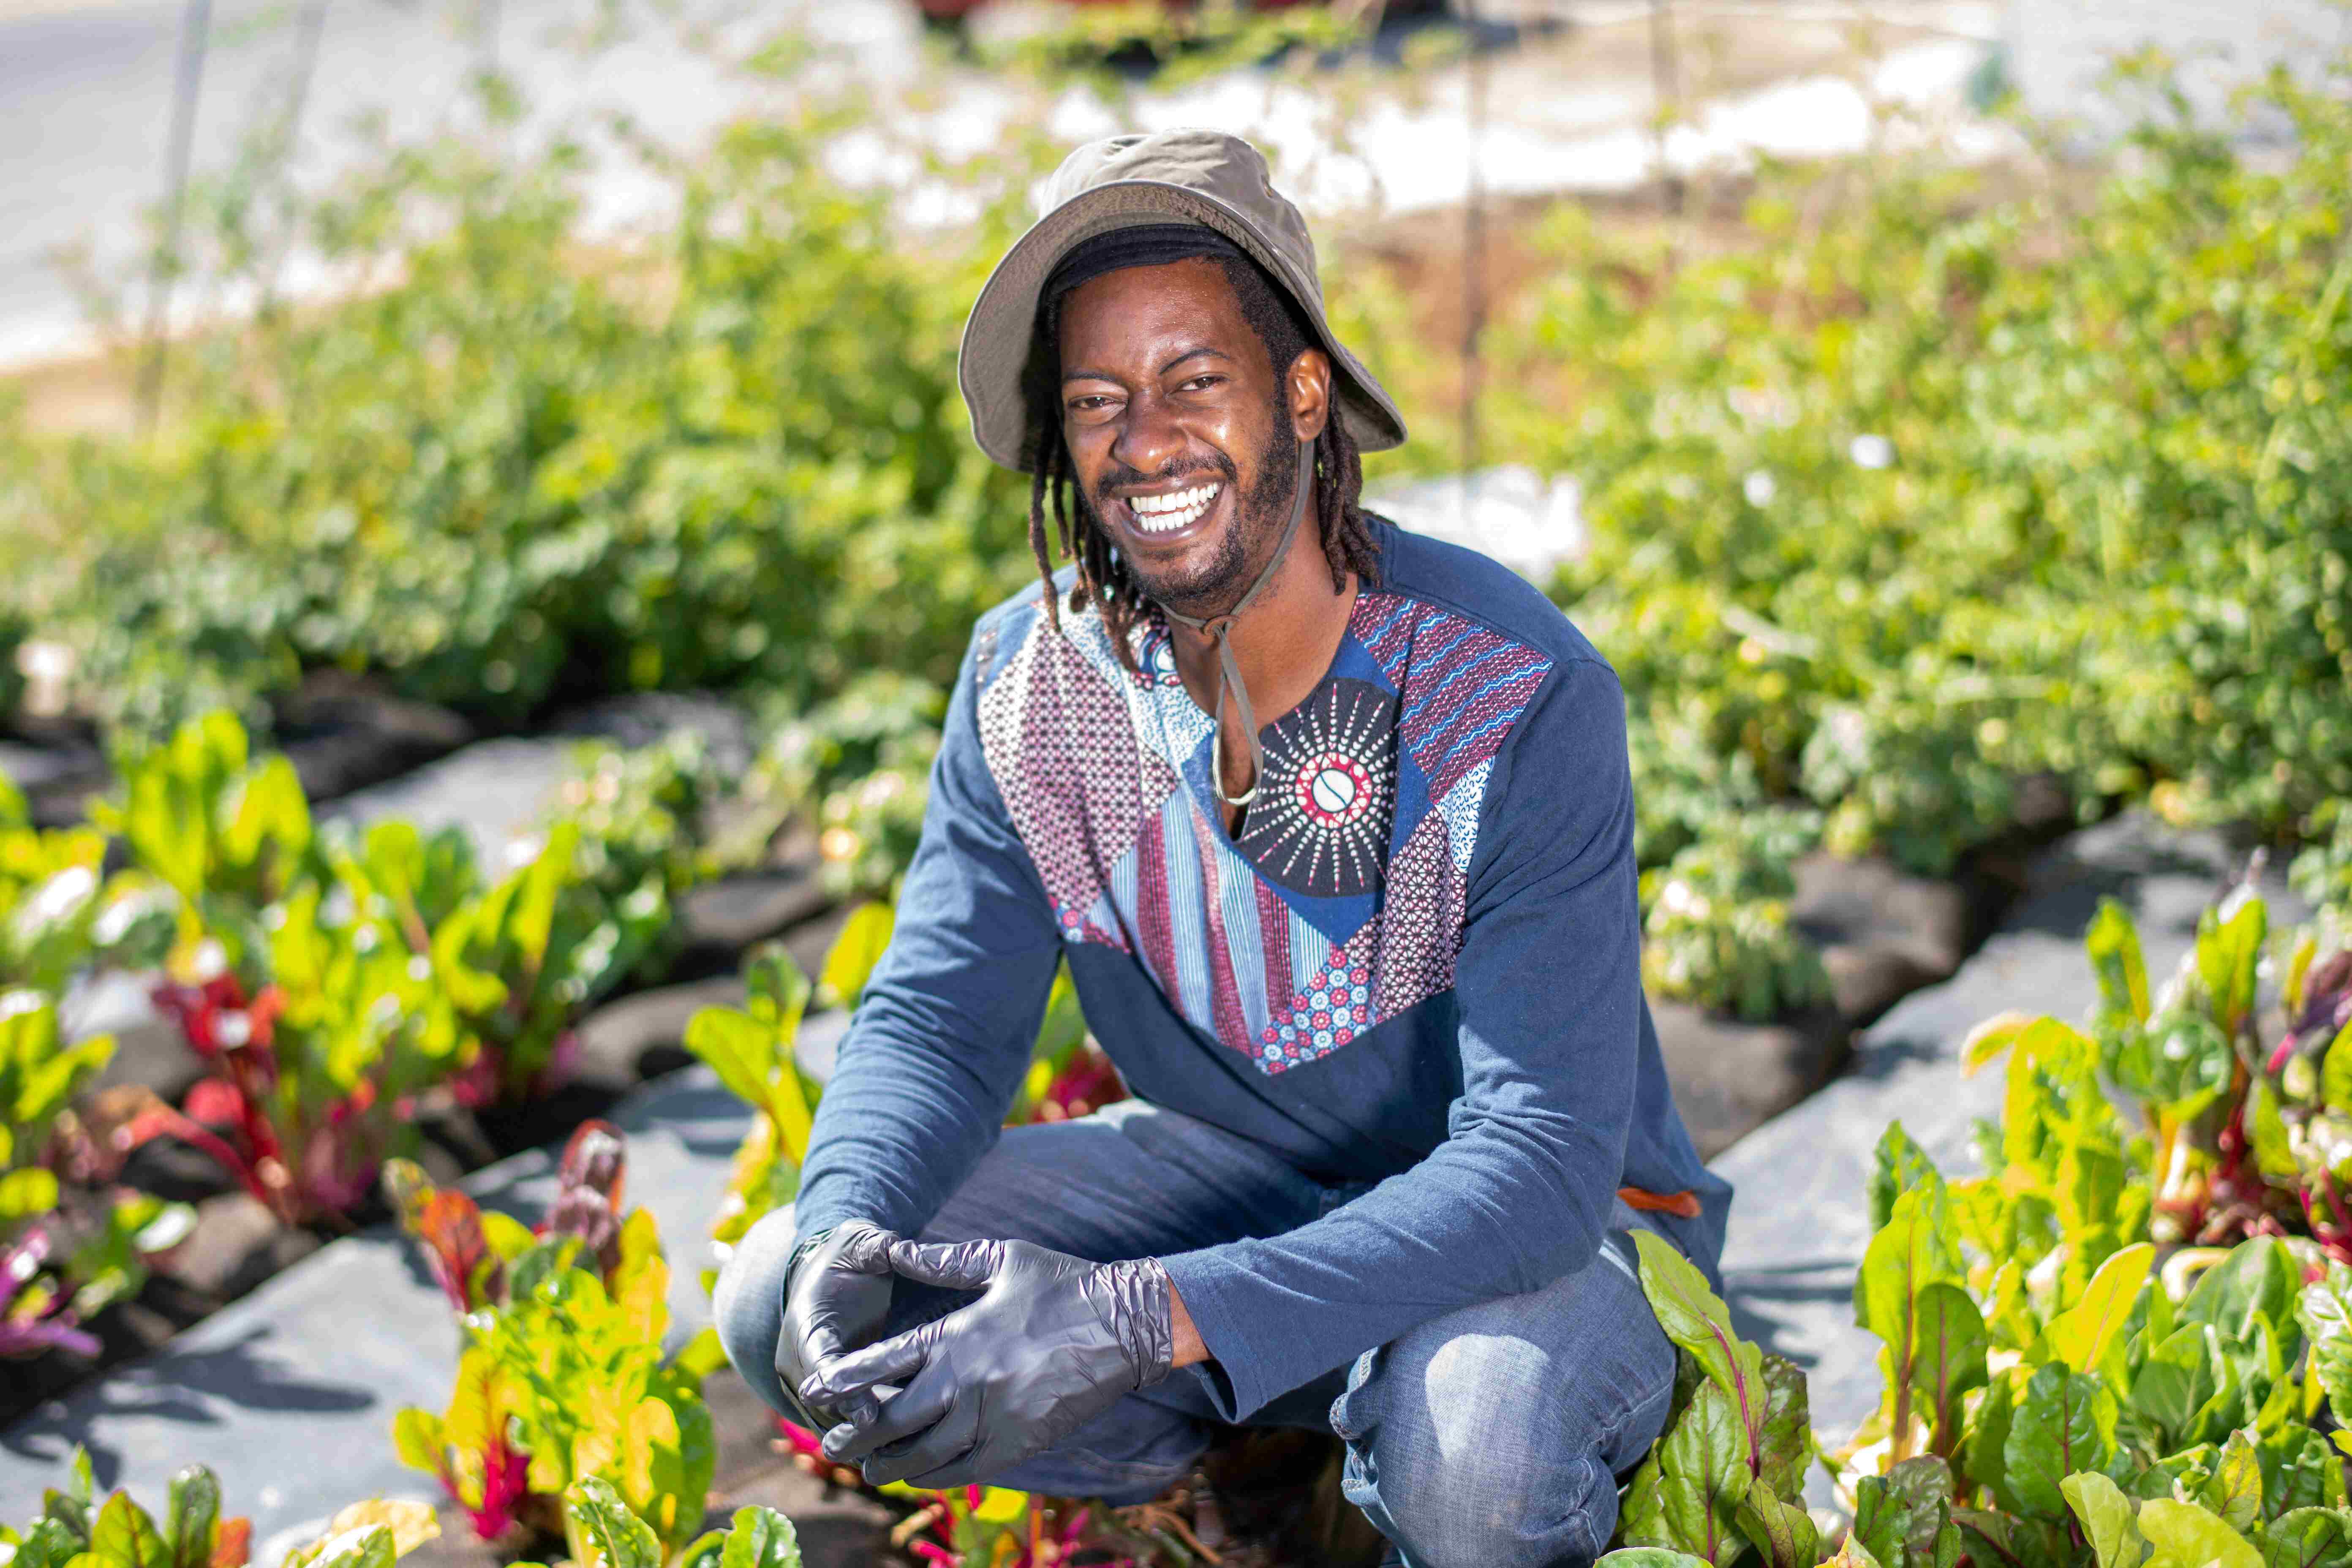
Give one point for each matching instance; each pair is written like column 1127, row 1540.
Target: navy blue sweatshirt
column 1417, row 965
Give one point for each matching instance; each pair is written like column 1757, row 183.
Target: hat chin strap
column 1229, row 675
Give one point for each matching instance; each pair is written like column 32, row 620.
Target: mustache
column 1120, row 475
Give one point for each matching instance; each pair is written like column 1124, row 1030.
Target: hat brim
column 996, row 338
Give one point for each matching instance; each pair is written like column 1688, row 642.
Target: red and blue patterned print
column 1085, row 754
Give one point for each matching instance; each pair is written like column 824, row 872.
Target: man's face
column 1184, row 439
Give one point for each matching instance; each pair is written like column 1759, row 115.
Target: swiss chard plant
column 61, row 914
column 229, row 832
column 1715, row 928
column 598, row 1518
column 546, row 944
column 750, row 1048
column 332, row 981
column 1726, row 1477
column 79, row 1527
column 562, row 1380
column 70, row 1244
column 2220, row 1103
column 645, row 819
column 316, row 1044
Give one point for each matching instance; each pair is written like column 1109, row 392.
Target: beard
column 1212, row 588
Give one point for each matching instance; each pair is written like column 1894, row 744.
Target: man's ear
column 1307, row 391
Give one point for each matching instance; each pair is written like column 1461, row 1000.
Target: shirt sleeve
column 928, row 1067
column 1547, row 982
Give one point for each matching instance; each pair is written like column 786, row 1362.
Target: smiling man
column 1333, row 826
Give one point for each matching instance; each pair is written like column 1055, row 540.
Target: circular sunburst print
column 1320, row 823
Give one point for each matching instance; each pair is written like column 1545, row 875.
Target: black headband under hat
column 1139, row 245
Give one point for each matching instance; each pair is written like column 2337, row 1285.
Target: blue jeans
column 1492, row 1435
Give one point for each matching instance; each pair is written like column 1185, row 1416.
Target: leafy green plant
column 227, row 832
column 750, row 1049
column 563, row 1381
column 1727, row 1474
column 327, row 980
column 546, row 941
column 77, row 1525
column 67, row 1250
column 2196, row 1127
column 61, row 914
column 1717, row 929
column 643, row 816
column 2323, row 871
column 860, row 766
column 737, row 458
column 598, row 1517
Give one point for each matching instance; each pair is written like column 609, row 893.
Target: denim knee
column 747, row 1305
column 1496, row 1444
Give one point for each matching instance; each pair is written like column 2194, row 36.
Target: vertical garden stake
column 1474, row 254
column 195, row 27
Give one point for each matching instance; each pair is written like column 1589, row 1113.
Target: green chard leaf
column 2082, row 1334
column 1949, row 1358
column 123, row 1536
column 2259, row 1282
column 1899, row 1515
column 1784, row 1532
column 2234, row 1492
column 2300, row 1470
column 762, row 1537
column 1783, row 1449
column 1695, row 1317
column 2114, row 945
column 191, row 1513
column 2109, row 1522
column 47, row 1543
column 618, row 1536
column 1984, row 1458
column 2065, row 1423
column 1686, row 1495
column 1896, row 1166
column 2176, row 1381
column 2184, row 1535
column 2324, row 1312
column 2309, row 1538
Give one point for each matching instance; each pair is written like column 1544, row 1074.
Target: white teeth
column 1163, row 514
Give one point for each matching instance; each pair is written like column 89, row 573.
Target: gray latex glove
column 837, row 1292
column 1053, row 1342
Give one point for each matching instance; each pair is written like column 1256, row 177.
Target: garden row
column 1930, row 502
column 409, row 973
column 2125, row 1338
column 333, row 991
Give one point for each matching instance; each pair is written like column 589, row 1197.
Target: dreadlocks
column 1103, row 578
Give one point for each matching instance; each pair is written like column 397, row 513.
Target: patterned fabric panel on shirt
column 1340, row 903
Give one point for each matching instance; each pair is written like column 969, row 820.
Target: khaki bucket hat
column 1189, row 174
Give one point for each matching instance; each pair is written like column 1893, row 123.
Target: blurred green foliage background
column 1903, row 481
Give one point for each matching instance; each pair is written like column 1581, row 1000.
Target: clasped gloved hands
column 1053, row 1342
column 836, row 1293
